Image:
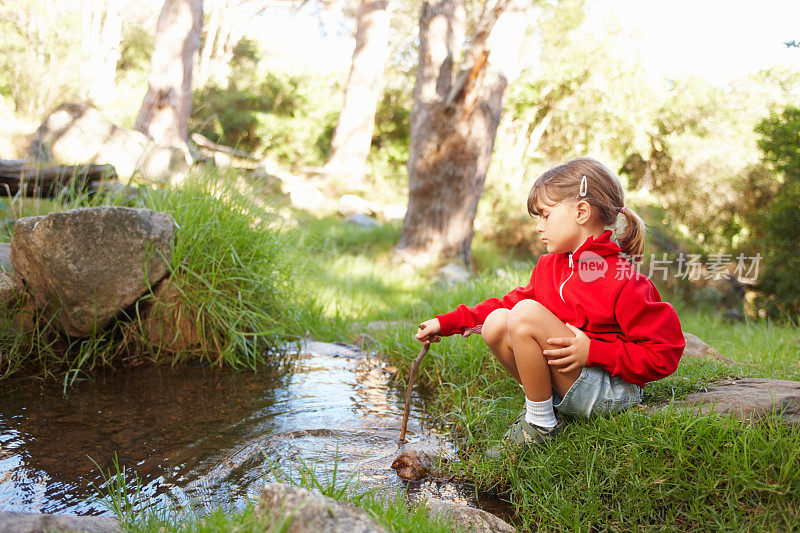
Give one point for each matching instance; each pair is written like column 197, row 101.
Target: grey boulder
column 77, row 133
column 471, row 519
column 90, row 263
column 695, row 347
column 749, row 399
column 311, row 512
column 34, row 522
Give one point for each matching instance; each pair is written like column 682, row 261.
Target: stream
column 208, row 438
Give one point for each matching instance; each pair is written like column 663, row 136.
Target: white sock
column 540, row 413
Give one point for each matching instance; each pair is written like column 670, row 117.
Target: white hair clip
column 584, row 186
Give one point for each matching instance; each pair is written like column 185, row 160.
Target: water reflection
column 198, row 435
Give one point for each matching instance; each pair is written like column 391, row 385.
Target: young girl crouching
column 589, row 331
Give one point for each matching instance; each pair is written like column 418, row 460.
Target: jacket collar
column 602, row 245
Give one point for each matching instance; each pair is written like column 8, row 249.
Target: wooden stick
column 411, row 375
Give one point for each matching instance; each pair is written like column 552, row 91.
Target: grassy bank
column 232, row 297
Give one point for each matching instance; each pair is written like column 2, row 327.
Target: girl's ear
column 583, row 212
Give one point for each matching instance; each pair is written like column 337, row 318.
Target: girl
column 588, row 331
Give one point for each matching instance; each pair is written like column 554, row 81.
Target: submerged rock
column 413, row 465
column 311, row 512
column 30, row 522
column 470, row 518
column 91, row 262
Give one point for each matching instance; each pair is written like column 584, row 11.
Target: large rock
column 452, row 274
column 76, row 133
column 92, row 262
column 311, row 512
column 748, row 398
column 696, row 348
column 32, row 522
column 469, row 518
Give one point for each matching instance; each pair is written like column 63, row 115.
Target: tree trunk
column 453, row 126
column 164, row 114
column 353, row 136
column 101, row 35
column 211, row 42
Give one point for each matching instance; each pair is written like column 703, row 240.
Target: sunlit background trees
column 713, row 164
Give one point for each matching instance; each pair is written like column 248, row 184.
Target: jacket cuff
column 601, row 354
column 448, row 323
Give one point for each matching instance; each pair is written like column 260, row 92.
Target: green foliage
column 39, row 54
column 288, row 116
column 780, row 143
column 136, row 48
column 390, row 138
column 232, row 115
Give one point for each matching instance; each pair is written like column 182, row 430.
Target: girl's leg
column 529, row 326
column 495, row 335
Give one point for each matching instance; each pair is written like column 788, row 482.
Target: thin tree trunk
column 164, row 114
column 211, row 42
column 353, row 136
column 453, row 126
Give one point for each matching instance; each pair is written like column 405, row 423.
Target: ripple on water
column 202, row 436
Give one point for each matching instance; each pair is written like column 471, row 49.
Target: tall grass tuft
column 230, row 298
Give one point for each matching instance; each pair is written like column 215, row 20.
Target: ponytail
column 631, row 236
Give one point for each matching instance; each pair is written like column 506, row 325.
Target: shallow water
column 205, row 437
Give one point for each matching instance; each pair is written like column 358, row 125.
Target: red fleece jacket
column 633, row 334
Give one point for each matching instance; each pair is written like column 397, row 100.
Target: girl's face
column 559, row 228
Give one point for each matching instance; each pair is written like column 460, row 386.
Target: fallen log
column 35, row 180
column 208, row 144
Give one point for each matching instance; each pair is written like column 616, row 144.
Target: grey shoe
column 524, row 434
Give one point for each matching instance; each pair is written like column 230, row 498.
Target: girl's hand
column 428, row 331
column 574, row 356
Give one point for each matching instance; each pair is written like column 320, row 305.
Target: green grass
column 232, row 274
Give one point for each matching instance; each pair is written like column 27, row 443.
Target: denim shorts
column 596, row 392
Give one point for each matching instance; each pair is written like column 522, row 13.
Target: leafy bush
column 232, row 115
column 289, row 116
column 780, row 142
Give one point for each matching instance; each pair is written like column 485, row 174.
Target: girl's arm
column 652, row 342
column 466, row 320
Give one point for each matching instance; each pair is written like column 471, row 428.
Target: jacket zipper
column 561, row 288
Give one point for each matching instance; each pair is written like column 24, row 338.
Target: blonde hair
column 603, row 191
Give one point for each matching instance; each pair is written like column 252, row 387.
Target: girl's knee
column 525, row 315
column 495, row 327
